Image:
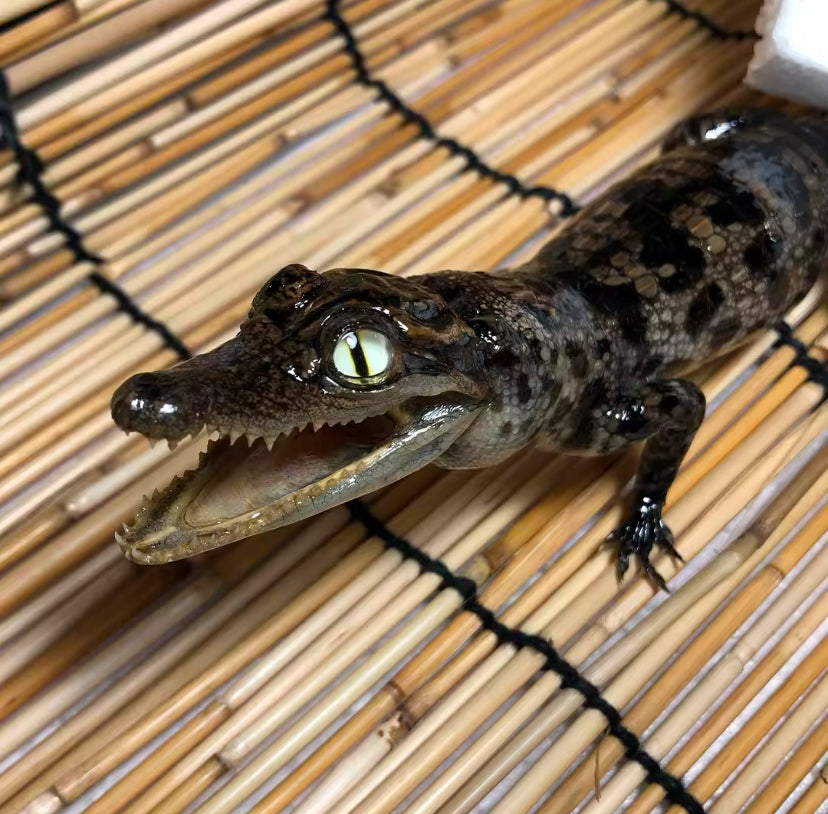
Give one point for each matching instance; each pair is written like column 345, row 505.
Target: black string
column 710, row 25
column 553, row 661
column 817, row 371
column 29, row 171
column 473, row 161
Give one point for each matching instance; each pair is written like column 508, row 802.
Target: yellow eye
column 362, row 354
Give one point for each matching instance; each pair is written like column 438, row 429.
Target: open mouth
column 243, row 486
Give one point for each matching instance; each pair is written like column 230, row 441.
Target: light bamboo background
column 200, row 145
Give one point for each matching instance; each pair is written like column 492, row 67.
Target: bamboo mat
column 195, row 147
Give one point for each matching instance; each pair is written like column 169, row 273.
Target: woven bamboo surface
column 196, row 148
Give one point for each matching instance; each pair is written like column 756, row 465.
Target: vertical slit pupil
column 358, row 356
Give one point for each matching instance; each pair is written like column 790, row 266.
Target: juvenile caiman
column 344, row 381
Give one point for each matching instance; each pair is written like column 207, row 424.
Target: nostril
column 145, row 385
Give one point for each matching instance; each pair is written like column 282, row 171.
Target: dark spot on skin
column 672, row 246
column 703, row 308
column 506, row 429
column 594, row 395
column 669, row 402
column 524, row 392
column 577, row 357
column 735, row 203
column 503, row 357
column 663, row 242
column 651, row 365
column 761, row 256
column 723, row 213
column 603, row 346
column 622, row 302
column 497, row 355
column 725, row 331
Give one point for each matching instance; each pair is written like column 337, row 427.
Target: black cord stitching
column 473, row 161
column 817, row 371
column 673, row 787
column 29, row 171
column 707, row 23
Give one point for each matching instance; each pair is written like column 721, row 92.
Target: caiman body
column 343, row 381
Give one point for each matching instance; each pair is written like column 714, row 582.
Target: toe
column 651, row 572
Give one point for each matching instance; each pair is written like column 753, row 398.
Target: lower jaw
column 234, row 494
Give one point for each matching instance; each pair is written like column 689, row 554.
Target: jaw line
column 161, row 532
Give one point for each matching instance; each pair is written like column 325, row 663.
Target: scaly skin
column 576, row 351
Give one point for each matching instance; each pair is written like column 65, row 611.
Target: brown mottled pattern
column 715, row 239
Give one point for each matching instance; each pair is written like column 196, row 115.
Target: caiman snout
column 160, row 405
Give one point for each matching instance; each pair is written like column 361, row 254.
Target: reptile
column 344, row 381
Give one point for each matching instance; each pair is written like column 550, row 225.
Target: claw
column 643, row 530
column 651, row 572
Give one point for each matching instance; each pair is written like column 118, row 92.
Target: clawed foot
column 638, row 535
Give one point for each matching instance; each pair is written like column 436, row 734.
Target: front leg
column 667, row 413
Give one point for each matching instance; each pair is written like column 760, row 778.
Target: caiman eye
column 362, row 354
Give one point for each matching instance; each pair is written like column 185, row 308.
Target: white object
column 791, row 59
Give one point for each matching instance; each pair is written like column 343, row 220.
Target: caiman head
column 336, row 384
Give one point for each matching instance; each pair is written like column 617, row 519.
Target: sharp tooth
column 119, row 539
column 235, row 435
column 317, row 425
column 269, row 442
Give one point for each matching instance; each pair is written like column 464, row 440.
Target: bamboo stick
column 35, row 29
column 70, row 547
column 782, row 785
column 796, row 724
column 91, row 42
column 813, row 798
column 122, row 67
column 17, row 8
column 39, row 637
column 292, row 67
column 508, row 579
column 24, row 618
